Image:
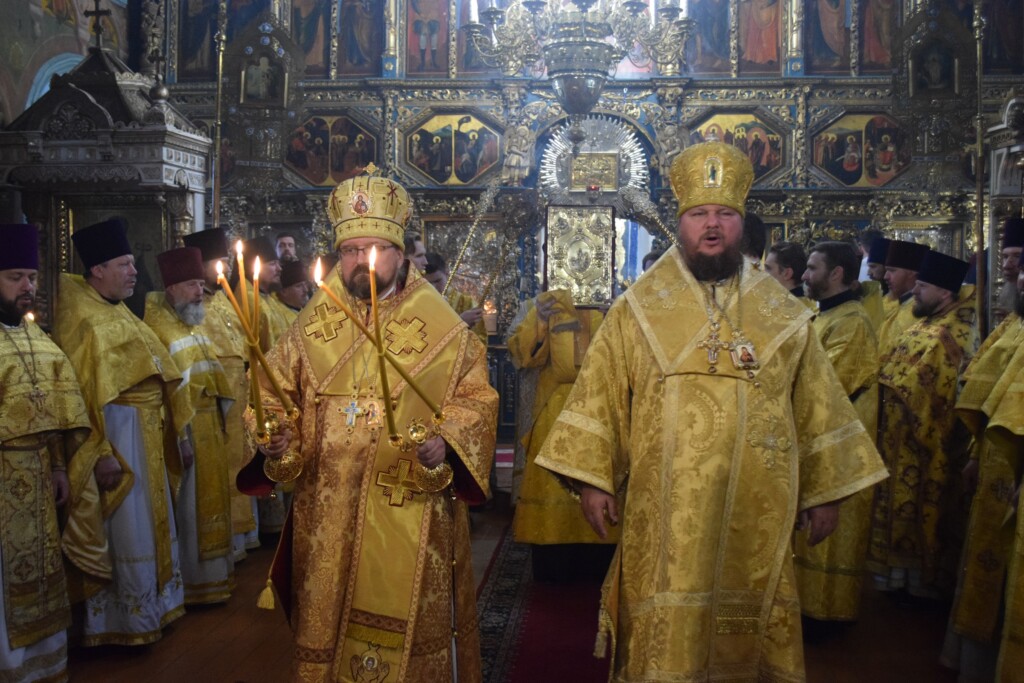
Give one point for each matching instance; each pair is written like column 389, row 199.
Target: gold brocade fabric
column 715, row 467
column 205, row 388
column 897, row 320
column 287, row 312
column 546, row 511
column 919, row 513
column 463, row 302
column 874, row 303
column 829, row 575
column 987, row 389
column 373, row 554
column 111, row 351
column 223, row 328
column 35, row 591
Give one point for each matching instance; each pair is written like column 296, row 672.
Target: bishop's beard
column 358, row 284
column 718, row 267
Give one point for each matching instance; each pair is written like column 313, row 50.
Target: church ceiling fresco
column 862, row 150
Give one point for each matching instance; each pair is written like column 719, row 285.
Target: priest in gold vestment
column 707, row 420
column 127, row 380
column 199, row 462
column 42, row 424
column 918, row 516
column 1006, row 428
column 436, row 273
column 829, row 575
column 552, row 338
column 294, row 292
column 902, row 261
column 381, row 586
column 994, row 476
column 222, row 327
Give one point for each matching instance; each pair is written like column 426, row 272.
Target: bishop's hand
column 278, row 444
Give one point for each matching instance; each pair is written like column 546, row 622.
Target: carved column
column 794, row 39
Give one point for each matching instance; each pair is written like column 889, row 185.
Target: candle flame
column 238, row 247
column 220, row 270
column 372, row 259
column 31, row 316
column 256, row 268
column 318, row 272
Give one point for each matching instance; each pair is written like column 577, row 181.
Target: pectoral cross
column 713, row 345
column 352, row 412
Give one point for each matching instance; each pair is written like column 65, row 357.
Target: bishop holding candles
column 371, row 350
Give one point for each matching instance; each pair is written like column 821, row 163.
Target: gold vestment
column 39, row 432
column 462, row 302
column 373, row 559
column 829, row 575
column 224, row 330
column 205, row 386
column 1006, row 431
column 976, row 611
column 899, row 317
column 287, row 312
column 714, row 467
column 546, row 512
column 917, row 520
column 116, row 358
column 874, row 303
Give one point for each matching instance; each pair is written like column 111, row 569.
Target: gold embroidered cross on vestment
column 325, row 322
column 397, row 484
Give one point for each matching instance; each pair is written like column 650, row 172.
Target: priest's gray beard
column 191, row 314
column 713, row 268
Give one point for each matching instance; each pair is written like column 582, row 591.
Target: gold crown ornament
column 711, row 173
column 369, row 206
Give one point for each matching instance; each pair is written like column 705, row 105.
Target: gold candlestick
column 289, row 466
column 253, row 343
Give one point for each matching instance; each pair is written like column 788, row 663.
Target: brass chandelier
column 580, row 43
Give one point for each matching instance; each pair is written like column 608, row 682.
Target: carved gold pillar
column 389, row 60
column 453, row 36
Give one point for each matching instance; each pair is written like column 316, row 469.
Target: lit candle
column 318, row 278
column 381, row 367
column 30, row 317
column 241, row 282
column 255, row 327
column 474, row 12
column 254, row 348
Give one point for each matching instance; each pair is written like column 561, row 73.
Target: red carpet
column 536, row 632
column 556, row 636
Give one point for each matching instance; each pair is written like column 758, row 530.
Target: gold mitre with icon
column 369, row 206
column 711, row 173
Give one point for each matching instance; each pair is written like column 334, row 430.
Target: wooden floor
column 238, row 643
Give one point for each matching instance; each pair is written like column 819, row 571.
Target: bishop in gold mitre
column 381, row 584
column 706, row 418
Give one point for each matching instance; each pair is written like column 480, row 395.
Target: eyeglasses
column 353, row 252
